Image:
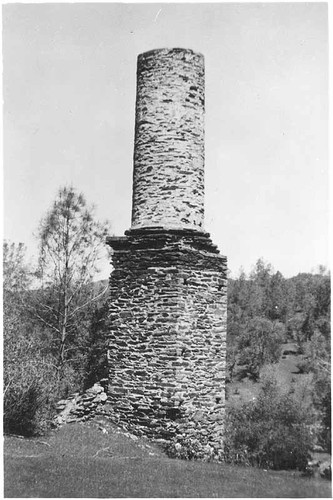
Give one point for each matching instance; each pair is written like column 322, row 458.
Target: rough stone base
column 167, row 343
column 80, row 407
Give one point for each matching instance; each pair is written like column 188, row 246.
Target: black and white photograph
column 166, row 271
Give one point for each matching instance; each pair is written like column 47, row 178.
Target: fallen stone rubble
column 81, row 407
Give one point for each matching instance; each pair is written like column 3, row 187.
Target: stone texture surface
column 167, row 343
column 81, row 407
column 168, row 176
column 168, row 311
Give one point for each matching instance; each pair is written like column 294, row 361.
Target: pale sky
column 69, row 75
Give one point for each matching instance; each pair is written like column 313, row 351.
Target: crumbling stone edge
column 82, row 407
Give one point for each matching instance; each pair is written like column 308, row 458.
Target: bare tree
column 72, row 244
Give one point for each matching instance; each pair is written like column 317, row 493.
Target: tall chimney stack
column 169, row 154
column 168, row 303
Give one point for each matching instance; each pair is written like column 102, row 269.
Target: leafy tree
column 277, row 299
column 249, row 297
column 72, row 244
column 310, row 307
column 271, row 432
column 322, row 312
column 260, row 344
column 260, row 279
column 253, row 339
column 261, row 272
column 323, row 402
column 294, row 327
column 238, row 306
column 238, row 297
column 317, row 361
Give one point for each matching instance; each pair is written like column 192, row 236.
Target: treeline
column 265, row 311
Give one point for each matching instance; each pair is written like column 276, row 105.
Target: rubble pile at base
column 80, row 407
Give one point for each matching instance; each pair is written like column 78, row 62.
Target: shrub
column 21, row 405
column 271, row 431
column 31, row 394
column 32, row 382
column 259, row 344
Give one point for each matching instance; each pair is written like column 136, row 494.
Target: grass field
column 98, row 460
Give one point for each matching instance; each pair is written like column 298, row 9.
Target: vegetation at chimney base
column 55, row 327
column 273, row 431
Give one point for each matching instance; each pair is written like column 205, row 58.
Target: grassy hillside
column 98, row 460
column 285, row 370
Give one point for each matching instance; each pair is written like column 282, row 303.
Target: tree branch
column 88, row 302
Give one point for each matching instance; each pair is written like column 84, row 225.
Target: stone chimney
column 168, row 180
column 168, row 304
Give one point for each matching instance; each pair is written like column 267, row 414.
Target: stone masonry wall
column 168, row 176
column 167, row 315
column 167, row 343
